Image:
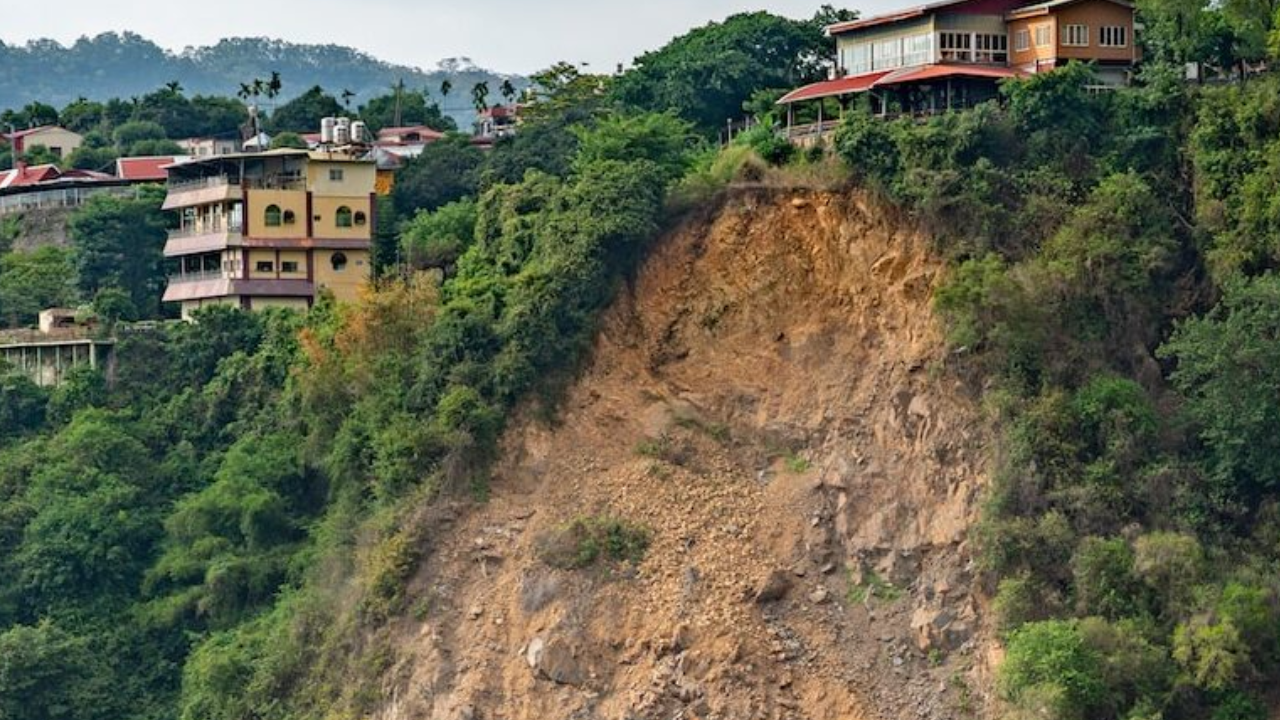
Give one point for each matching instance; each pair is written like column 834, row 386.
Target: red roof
column 39, row 174
column 831, row 88
column 421, row 131
column 934, row 72
column 143, row 169
column 920, row 73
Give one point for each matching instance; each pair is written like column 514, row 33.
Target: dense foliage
column 1130, row 534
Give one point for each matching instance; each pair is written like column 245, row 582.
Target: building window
column 264, row 266
column 289, row 266
column 1113, row 36
column 335, row 175
column 361, row 218
column 1044, row 35
column 1022, row 40
column 888, row 55
column 289, row 217
column 991, row 48
column 343, row 217
column 339, row 261
column 956, row 46
column 1075, row 35
column 858, row 59
column 917, row 49
column 272, row 216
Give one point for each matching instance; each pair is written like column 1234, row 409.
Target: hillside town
column 807, row 363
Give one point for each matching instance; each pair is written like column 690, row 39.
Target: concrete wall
column 256, row 203
column 345, row 284
column 324, row 212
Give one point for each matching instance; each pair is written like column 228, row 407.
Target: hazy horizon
column 503, row 35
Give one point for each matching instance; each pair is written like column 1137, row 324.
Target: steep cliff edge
column 769, row 400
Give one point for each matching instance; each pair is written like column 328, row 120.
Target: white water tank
column 359, row 131
column 327, row 127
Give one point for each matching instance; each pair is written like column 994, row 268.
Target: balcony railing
column 208, row 229
column 197, row 276
column 200, row 183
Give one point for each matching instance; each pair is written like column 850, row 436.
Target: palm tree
column 274, row 86
column 480, row 96
column 446, row 87
column 347, row 95
column 174, row 87
column 508, row 90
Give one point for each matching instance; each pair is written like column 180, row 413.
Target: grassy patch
column 873, row 587
column 797, row 464
column 586, row 541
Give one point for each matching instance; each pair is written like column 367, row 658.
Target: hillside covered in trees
column 230, row 531
column 114, row 65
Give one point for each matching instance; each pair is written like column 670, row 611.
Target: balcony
column 208, row 284
column 203, row 238
column 202, row 191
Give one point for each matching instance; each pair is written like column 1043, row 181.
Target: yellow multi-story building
column 272, row 229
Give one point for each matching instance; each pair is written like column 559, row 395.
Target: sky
column 517, row 36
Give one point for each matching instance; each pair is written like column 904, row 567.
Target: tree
column 1229, row 371
column 480, row 96
column 48, row 674
column 118, row 243
column 706, row 75
column 33, row 281
column 22, row 404
column 303, row 113
column 380, row 112
column 437, row 239
column 288, row 140
column 1050, row 659
column 447, row 170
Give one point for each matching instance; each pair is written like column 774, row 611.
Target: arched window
column 289, row 217
column 361, row 218
column 343, row 217
column 339, row 261
column 273, row 216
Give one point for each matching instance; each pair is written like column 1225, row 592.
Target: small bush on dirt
column 585, row 541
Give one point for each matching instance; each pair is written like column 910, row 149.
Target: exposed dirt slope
column 766, row 399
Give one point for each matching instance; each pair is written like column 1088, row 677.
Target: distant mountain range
column 127, row 65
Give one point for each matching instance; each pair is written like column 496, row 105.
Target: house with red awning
column 954, row 53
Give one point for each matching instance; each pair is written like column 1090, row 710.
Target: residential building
column 498, row 121
column 953, row 53
column 59, row 141
column 272, row 229
column 408, row 135
column 202, row 147
column 36, row 187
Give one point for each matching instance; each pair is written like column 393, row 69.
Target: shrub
column 584, row 541
column 1171, row 565
column 1104, row 581
column 1049, row 664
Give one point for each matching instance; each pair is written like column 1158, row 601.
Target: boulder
column 774, row 587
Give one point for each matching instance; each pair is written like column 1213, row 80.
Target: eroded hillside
column 769, row 399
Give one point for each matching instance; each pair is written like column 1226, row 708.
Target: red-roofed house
column 44, row 186
column 146, row 169
column 409, row 135
column 953, row 53
column 60, row 141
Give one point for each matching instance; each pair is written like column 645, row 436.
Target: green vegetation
column 585, row 541
column 232, row 529
column 1129, row 534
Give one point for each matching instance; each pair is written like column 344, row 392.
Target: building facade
column 273, row 229
column 59, row 141
column 953, row 53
